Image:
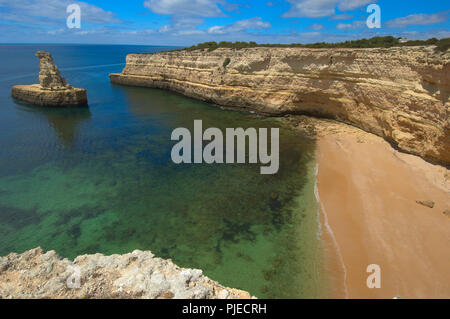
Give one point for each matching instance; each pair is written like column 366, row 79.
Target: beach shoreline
column 369, row 214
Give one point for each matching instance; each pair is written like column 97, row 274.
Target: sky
column 187, row 22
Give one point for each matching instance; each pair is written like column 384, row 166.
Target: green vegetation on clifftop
column 375, row 42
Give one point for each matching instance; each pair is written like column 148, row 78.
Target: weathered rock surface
column 52, row 89
column 35, row 274
column 427, row 203
column 34, row 94
column 49, row 76
column 400, row 94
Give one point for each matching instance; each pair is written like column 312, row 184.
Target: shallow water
column 100, row 179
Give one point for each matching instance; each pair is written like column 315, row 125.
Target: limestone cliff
column 35, row 274
column 49, row 76
column 400, row 94
column 34, row 94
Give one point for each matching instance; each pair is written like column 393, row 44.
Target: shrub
column 226, row 62
column 443, row 44
column 375, row 42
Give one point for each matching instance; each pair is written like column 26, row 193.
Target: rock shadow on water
column 65, row 122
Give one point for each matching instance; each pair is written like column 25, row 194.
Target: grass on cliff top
column 375, row 42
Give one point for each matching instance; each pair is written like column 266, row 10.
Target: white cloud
column 316, row 26
column 310, row 8
column 57, row 31
column 191, row 32
column 185, row 15
column 52, row 12
column 165, row 29
column 322, row 8
column 427, row 34
column 187, row 21
column 199, row 8
column 347, row 5
column 343, row 16
column 217, row 29
column 417, row 19
column 243, row 25
column 351, row 26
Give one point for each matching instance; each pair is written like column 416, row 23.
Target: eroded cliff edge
column 35, row 274
column 400, row 94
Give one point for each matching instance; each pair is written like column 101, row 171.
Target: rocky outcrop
column 52, row 89
column 49, row 76
column 426, row 203
column 400, row 94
column 34, row 94
column 35, row 274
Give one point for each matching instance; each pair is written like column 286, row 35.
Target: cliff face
column 400, row 94
column 34, row 94
column 35, row 274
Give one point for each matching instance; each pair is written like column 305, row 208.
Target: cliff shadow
column 435, row 81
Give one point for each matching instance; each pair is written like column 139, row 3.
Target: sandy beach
column 368, row 193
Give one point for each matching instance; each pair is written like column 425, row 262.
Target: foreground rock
column 427, row 203
column 35, row 274
column 52, row 89
column 400, row 94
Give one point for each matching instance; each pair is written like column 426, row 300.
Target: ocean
column 100, row 179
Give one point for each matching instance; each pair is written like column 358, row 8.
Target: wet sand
column 368, row 194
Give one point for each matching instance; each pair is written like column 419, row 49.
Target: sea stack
column 52, row 89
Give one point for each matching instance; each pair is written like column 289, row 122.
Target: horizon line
column 74, row 43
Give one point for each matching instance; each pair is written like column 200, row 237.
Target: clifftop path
column 400, row 94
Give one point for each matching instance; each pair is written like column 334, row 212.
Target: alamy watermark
column 374, row 279
column 74, row 19
column 374, row 19
column 213, row 152
column 74, row 279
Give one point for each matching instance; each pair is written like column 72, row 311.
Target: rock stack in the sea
column 49, row 76
column 35, row 274
column 52, row 89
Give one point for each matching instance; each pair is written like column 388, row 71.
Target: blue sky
column 186, row 22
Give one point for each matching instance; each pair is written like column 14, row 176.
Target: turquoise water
column 100, row 179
